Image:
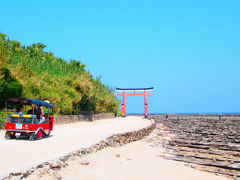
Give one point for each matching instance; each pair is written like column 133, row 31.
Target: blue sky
column 189, row 51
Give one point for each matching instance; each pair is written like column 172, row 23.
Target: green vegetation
column 28, row 71
column 2, row 119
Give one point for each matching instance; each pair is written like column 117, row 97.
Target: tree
column 9, row 87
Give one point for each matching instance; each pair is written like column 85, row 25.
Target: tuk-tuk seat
column 22, row 118
column 21, row 115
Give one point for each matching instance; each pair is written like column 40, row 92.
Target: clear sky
column 189, row 51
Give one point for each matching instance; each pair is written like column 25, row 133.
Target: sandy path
column 16, row 155
column 138, row 160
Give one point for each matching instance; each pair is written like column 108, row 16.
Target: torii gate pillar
column 145, row 105
column 124, row 105
column 124, row 94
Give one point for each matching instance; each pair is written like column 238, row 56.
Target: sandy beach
column 140, row 160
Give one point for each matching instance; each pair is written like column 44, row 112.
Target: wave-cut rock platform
column 207, row 143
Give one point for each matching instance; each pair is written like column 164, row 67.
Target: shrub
column 2, row 119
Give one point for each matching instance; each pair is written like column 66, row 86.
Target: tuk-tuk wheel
column 12, row 136
column 32, row 136
column 39, row 134
column 8, row 135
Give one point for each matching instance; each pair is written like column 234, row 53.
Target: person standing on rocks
column 220, row 116
column 166, row 117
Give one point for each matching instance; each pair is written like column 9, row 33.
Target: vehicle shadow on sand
column 24, row 138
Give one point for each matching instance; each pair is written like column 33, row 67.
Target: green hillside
column 28, row 71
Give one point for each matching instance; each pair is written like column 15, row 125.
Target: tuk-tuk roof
column 28, row 101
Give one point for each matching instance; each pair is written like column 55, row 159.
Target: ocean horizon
column 185, row 113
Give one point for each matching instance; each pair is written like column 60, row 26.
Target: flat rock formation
column 209, row 143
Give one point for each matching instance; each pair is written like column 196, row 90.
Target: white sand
column 16, row 155
column 138, row 160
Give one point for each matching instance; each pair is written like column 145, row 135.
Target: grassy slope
column 42, row 76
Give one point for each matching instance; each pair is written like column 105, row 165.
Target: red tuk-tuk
column 29, row 123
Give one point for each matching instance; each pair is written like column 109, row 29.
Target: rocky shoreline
column 52, row 167
column 205, row 143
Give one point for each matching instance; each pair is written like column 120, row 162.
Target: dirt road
column 17, row 155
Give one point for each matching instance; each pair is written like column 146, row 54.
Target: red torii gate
column 143, row 93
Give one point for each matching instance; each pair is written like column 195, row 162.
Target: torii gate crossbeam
column 133, row 90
